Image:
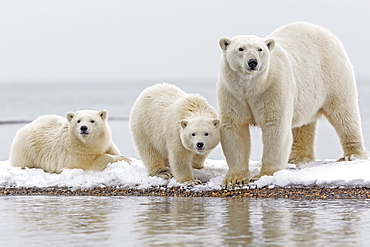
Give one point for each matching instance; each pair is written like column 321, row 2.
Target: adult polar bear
column 283, row 83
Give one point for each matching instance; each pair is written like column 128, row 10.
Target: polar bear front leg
column 181, row 165
column 235, row 142
column 277, row 142
column 198, row 160
column 114, row 151
column 101, row 162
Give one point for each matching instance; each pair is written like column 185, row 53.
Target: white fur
column 54, row 143
column 166, row 125
column 303, row 72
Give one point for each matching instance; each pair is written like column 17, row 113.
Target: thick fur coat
column 173, row 131
column 53, row 143
column 283, row 83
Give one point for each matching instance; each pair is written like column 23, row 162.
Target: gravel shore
column 277, row 192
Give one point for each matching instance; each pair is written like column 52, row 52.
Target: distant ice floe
column 325, row 173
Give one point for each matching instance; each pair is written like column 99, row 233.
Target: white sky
column 87, row 40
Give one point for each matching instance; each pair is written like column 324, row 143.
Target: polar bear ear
column 224, row 43
column 69, row 116
column 184, row 123
column 103, row 114
column 216, row 123
column 270, row 44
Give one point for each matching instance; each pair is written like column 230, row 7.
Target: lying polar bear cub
column 53, row 143
column 283, row 83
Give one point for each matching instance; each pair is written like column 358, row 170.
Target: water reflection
column 237, row 223
column 176, row 221
column 302, row 222
column 179, row 221
column 36, row 218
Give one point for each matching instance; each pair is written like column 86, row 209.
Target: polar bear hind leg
column 155, row 162
column 345, row 119
column 303, row 150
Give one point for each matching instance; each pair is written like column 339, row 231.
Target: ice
column 324, row 173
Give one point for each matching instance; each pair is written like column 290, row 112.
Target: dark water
column 171, row 221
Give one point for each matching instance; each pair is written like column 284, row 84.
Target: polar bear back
column 311, row 49
column 321, row 68
column 150, row 111
column 29, row 146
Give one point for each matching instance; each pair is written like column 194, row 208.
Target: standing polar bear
column 53, row 143
column 283, row 83
column 171, row 127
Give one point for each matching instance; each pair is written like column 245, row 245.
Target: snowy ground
column 326, row 173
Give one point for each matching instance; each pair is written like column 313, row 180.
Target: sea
column 178, row 221
column 166, row 221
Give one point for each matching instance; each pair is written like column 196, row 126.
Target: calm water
column 169, row 221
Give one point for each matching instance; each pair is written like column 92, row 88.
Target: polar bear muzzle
column 84, row 130
column 252, row 64
column 200, row 146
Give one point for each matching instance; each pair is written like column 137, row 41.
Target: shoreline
column 308, row 193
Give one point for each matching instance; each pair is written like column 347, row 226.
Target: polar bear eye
column 241, row 49
column 206, row 134
column 259, row 49
column 192, row 134
column 78, row 121
column 92, row 121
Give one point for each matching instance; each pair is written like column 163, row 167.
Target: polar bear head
column 88, row 125
column 247, row 55
column 199, row 134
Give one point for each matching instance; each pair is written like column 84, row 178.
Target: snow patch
column 325, row 173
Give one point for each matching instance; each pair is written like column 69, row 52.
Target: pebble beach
column 276, row 192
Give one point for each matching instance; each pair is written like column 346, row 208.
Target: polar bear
column 283, row 83
column 171, row 127
column 54, row 143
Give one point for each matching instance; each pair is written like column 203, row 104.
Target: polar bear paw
column 255, row 178
column 192, row 182
column 234, row 179
column 300, row 160
column 266, row 173
column 165, row 174
column 125, row 159
column 198, row 166
column 352, row 157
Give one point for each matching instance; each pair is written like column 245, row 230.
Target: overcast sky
column 87, row 40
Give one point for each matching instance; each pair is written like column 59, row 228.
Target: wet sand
column 276, row 192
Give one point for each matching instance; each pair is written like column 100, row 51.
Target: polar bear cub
column 53, row 143
column 283, row 83
column 171, row 127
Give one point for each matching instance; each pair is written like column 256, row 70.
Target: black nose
column 252, row 63
column 83, row 128
column 200, row 145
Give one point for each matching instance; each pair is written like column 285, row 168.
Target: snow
column 324, row 173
